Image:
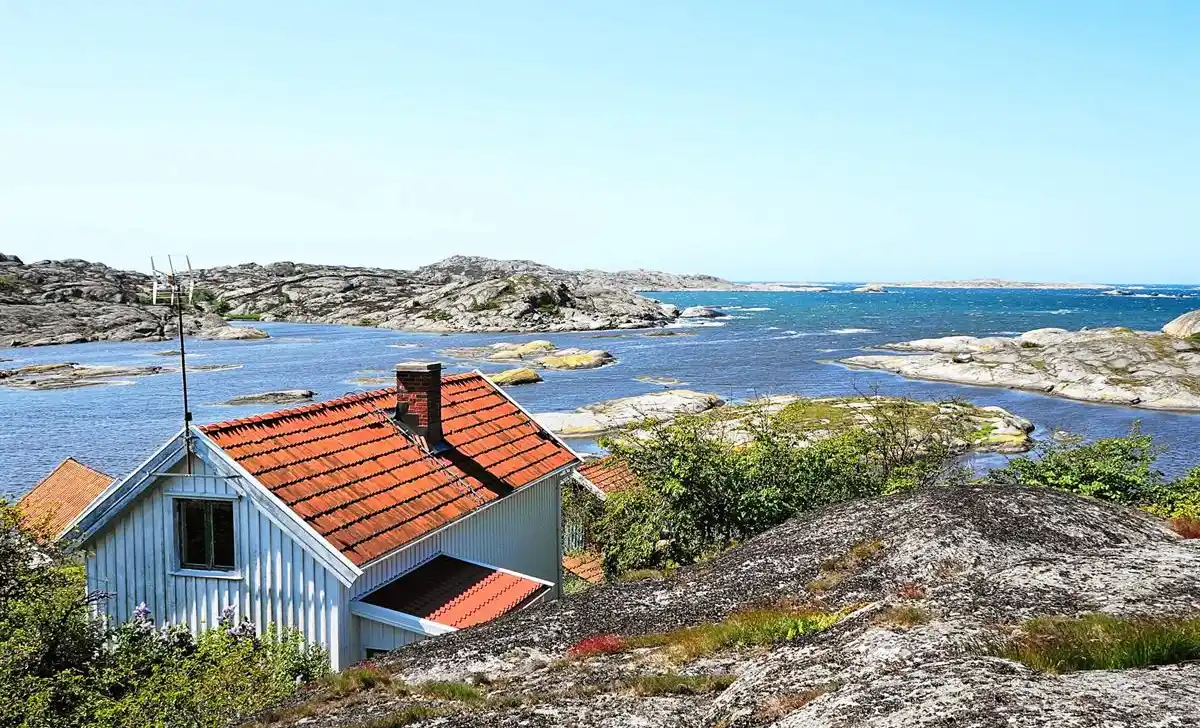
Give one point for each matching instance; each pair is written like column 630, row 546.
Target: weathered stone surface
column 282, row 396
column 972, row 561
column 700, row 312
column 232, row 333
column 1110, row 366
column 601, row 417
column 1186, row 326
column 870, row 288
column 69, row 375
column 540, row 353
column 515, row 377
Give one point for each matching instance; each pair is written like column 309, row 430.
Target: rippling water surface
column 772, row 343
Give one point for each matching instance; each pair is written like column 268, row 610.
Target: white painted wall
column 519, row 532
column 277, row 581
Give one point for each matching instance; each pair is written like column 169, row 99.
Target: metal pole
column 187, row 415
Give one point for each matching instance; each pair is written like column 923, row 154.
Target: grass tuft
column 675, row 684
column 450, row 690
column 1186, row 526
column 904, row 616
column 407, row 715
column 743, row 629
column 836, row 570
column 601, row 644
column 1101, row 642
column 356, row 679
column 781, row 706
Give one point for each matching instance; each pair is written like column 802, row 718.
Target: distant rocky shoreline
column 1109, row 366
column 75, row 301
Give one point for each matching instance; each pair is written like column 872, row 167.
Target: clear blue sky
column 789, row 140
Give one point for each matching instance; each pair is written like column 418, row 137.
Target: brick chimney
column 419, row 399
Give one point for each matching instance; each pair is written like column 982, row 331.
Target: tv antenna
column 178, row 289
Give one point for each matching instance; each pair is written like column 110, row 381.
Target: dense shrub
column 700, row 494
column 59, row 668
column 1117, row 469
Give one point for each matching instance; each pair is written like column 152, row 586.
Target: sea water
column 769, row 343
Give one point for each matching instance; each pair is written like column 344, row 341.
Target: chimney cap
column 419, row 366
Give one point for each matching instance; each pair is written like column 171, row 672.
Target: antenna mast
column 176, row 287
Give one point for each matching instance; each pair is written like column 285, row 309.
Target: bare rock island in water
column 1154, row 370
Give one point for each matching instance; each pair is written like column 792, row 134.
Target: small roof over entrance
column 457, row 593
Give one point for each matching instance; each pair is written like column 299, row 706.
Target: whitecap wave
column 403, row 346
column 692, row 324
column 758, row 308
column 1058, row 311
column 852, row 331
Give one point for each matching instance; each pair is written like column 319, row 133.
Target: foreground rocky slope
column 71, row 301
column 1112, row 366
column 925, row 579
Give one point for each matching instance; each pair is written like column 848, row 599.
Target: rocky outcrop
column 1186, row 326
column 870, row 288
column 700, row 312
column 515, row 377
column 925, row 582
column 457, row 294
column 69, row 375
column 74, row 301
column 596, row 419
column 540, row 353
column 282, row 396
column 1109, row 366
column 998, row 283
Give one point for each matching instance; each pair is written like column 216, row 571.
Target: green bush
column 70, row 670
column 699, row 494
column 1117, row 469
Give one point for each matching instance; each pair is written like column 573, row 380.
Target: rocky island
column 905, row 610
column 1155, row 370
column 73, row 301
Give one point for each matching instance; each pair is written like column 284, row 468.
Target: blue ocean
column 770, row 343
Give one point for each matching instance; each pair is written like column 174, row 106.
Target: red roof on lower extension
column 456, row 593
column 609, row 473
column 348, row 470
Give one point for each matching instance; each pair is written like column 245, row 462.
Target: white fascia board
column 586, row 482
column 501, row 569
column 113, row 499
column 292, row 523
column 400, row 620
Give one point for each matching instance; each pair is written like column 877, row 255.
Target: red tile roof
column 609, row 473
column 360, row 482
column 61, row 496
column 586, row 565
column 456, row 593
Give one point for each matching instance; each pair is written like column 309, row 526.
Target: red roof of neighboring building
column 348, row 470
column 586, row 565
column 61, row 496
column 609, row 473
column 456, row 593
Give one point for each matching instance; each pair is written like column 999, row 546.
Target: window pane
column 193, row 540
column 222, row 530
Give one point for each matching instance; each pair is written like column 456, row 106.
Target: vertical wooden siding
column 278, row 582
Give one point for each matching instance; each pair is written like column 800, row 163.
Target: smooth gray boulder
column 1184, row 327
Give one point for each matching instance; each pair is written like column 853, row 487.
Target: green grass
column 904, row 616
column 743, row 629
column 244, row 317
column 675, row 684
column 356, row 679
column 810, row 414
column 407, row 715
column 1101, row 642
column 450, row 690
column 836, row 570
column 8, row 281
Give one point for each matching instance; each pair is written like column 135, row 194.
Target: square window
column 205, row 534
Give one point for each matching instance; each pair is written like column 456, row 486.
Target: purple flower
column 226, row 615
column 141, row 613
